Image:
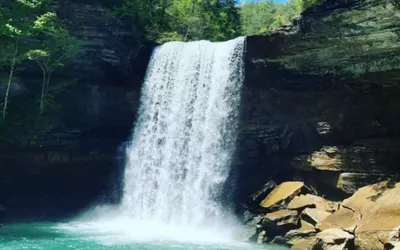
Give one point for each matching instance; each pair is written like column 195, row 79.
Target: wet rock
column 305, row 232
column 262, row 237
column 247, row 234
column 282, row 195
column 279, row 240
column 283, row 217
column 258, row 196
column 332, row 239
column 302, row 245
column 279, row 222
column 372, row 213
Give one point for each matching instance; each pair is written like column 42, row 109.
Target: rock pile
column 290, row 214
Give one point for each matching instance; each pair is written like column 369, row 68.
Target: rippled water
column 49, row 236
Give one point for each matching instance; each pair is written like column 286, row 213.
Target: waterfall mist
column 180, row 154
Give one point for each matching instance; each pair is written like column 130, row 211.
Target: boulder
column 262, row 237
column 258, row 196
column 373, row 213
column 378, row 240
column 305, row 232
column 332, row 239
column 314, row 215
column 249, row 232
column 311, row 201
column 254, row 221
column 344, row 219
column 283, row 217
column 302, row 245
column 351, row 182
column 279, row 222
column 282, row 195
column 279, row 240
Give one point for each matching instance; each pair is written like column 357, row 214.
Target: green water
column 49, row 236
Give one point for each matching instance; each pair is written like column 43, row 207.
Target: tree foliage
column 29, row 30
column 259, row 17
column 164, row 20
column 55, row 47
column 17, row 22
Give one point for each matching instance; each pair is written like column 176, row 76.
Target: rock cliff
column 80, row 160
column 321, row 98
column 320, row 104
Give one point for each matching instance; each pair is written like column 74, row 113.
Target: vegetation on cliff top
column 31, row 34
column 216, row 20
column 166, row 20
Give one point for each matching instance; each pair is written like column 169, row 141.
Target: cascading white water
column 179, row 157
column 180, row 154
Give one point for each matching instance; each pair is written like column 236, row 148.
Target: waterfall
column 181, row 149
column 179, row 157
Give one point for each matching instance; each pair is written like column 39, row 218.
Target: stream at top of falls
column 178, row 178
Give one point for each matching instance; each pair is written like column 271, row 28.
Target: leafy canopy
column 259, row 17
column 164, row 20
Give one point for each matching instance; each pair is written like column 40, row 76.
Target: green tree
column 16, row 24
column 257, row 18
column 164, row 20
column 56, row 47
column 309, row 3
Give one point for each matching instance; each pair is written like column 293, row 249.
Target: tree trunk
column 48, row 82
column 43, row 92
column 10, row 78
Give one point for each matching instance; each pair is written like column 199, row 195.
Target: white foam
column 180, row 153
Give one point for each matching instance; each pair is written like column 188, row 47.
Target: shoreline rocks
column 368, row 220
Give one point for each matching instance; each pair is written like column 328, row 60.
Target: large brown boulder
column 332, row 239
column 314, row 215
column 311, row 201
column 258, row 196
column 279, row 222
column 305, row 232
column 344, row 218
column 373, row 213
column 283, row 217
column 282, row 195
column 301, row 245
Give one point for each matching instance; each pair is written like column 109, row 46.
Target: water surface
column 50, row 236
